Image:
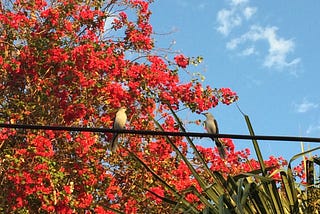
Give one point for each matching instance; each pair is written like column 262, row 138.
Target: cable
column 160, row 133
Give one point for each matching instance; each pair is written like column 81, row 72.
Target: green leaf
column 301, row 154
column 256, row 146
column 270, row 189
column 291, row 199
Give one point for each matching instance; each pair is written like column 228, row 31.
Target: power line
column 161, row 133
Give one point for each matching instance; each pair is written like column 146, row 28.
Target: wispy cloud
column 279, row 48
column 305, row 106
column 248, row 12
column 313, row 128
column 228, row 19
column 238, row 14
column 238, row 2
column 248, row 51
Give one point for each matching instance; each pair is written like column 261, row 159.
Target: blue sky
column 266, row 51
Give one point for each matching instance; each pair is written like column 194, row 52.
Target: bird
column 211, row 126
column 119, row 123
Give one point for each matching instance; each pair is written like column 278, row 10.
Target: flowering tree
column 74, row 63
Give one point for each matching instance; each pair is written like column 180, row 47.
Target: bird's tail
column 221, row 148
column 114, row 143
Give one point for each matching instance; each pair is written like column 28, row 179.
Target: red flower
column 84, row 200
column 228, row 96
column 68, row 189
column 100, row 210
column 181, row 60
column 158, row 191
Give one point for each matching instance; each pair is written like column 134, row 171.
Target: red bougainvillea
column 181, row 60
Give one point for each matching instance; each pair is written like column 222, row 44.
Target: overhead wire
column 160, row 133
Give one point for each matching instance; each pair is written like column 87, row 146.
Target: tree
column 63, row 63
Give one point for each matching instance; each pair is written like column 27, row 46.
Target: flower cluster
column 181, row 61
column 227, row 96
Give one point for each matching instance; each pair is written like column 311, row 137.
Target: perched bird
column 212, row 128
column 118, row 124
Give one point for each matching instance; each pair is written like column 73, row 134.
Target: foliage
column 75, row 62
column 268, row 189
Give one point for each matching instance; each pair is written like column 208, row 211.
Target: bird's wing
column 204, row 124
column 216, row 124
column 114, row 122
column 118, row 122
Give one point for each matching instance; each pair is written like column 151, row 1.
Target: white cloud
column 227, row 21
column 248, row 12
column 277, row 54
column 230, row 18
column 278, row 48
column 248, row 51
column 305, row 106
column 233, row 44
column 238, row 2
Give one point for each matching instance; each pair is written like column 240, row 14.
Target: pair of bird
column 210, row 124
